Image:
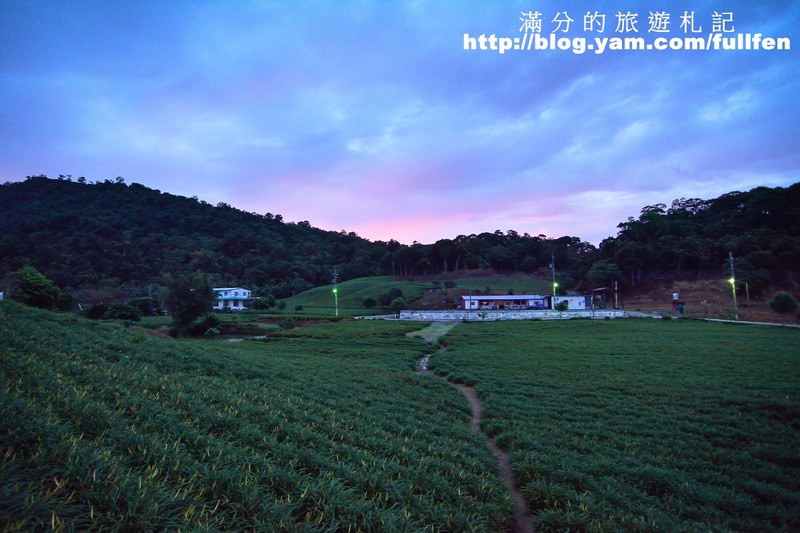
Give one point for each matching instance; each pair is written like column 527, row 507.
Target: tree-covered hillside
column 694, row 237
column 111, row 234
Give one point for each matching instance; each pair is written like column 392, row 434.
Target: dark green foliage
column 114, row 233
column 201, row 327
column 386, row 298
column 641, row 425
column 370, row 302
column 34, row 288
column 783, row 302
column 397, row 304
column 265, row 302
column 122, row 312
column 188, row 299
column 562, row 305
column 319, row 429
column 603, row 273
column 96, row 311
column 281, row 305
column 450, row 284
column 761, row 227
column 145, row 306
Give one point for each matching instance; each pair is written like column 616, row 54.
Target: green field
column 627, row 424
column 325, row 426
column 641, row 424
column 319, row 300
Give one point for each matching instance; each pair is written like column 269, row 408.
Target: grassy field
column 625, row 424
column 641, row 424
column 321, row 427
column 319, row 300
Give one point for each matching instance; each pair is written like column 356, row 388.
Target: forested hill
column 110, row 233
column 760, row 227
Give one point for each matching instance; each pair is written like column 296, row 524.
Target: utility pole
column 555, row 283
column 616, row 294
column 733, row 287
column 335, row 281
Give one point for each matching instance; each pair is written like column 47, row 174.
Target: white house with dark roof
column 232, row 298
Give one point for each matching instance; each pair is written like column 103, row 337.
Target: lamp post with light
column 732, row 281
column 555, row 286
column 336, row 299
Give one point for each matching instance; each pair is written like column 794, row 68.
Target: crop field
column 626, row 424
column 322, row 427
column 641, row 424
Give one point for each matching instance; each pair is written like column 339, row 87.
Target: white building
column 509, row 301
column 232, row 298
column 574, row 302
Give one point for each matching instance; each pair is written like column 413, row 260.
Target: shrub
column 36, row 289
column 782, row 302
column 96, row 311
column 122, row 312
column 562, row 306
column 369, row 303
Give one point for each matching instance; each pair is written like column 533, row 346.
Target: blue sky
column 371, row 117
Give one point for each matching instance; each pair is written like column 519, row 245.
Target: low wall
column 525, row 314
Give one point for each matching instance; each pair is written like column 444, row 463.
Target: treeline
column 111, row 234
column 693, row 237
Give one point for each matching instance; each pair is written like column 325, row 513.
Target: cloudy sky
column 370, row 116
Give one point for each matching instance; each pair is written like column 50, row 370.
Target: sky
column 370, row 116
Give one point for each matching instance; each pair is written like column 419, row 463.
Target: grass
column 319, row 300
column 318, row 428
column 641, row 424
column 609, row 425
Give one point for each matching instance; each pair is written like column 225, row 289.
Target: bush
column 145, row 306
column 298, row 307
column 387, row 298
column 96, row 311
column 201, row 327
column 562, row 306
column 782, row 302
column 397, row 304
column 450, row 284
column 265, row 302
column 286, row 323
column 212, row 332
column 36, row 289
column 281, row 305
column 369, row 303
column 122, row 312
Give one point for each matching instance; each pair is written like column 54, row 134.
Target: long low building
column 518, row 302
column 505, row 301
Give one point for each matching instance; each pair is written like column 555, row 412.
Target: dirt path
column 522, row 516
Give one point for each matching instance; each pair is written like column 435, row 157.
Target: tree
column 783, row 302
column 603, row 272
column 369, row 302
column 188, row 298
column 36, row 289
column 397, row 304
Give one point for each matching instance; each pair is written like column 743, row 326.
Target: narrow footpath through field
column 522, row 517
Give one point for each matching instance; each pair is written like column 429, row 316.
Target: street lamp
column 732, row 281
column 555, row 286
column 336, row 299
